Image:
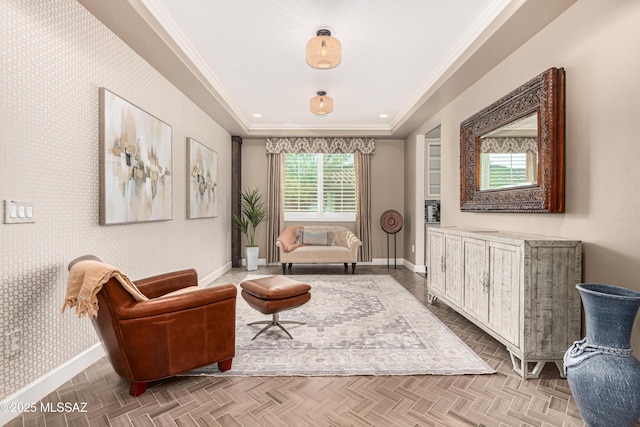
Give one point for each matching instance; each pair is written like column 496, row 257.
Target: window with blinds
column 500, row 170
column 319, row 186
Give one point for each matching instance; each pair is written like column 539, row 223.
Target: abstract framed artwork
column 203, row 180
column 135, row 163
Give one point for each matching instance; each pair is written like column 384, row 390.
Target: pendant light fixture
column 321, row 105
column 323, row 51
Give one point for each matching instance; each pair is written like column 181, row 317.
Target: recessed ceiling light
column 257, row 115
column 384, row 116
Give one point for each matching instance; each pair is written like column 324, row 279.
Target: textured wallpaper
column 54, row 57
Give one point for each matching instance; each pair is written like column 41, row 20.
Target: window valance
column 509, row 145
column 321, row 145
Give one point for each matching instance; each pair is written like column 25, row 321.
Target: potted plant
column 252, row 213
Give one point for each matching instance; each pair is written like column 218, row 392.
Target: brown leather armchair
column 167, row 334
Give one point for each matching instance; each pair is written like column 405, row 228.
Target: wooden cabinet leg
column 431, row 298
column 521, row 366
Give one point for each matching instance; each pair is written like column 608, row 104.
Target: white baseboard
column 374, row 261
column 384, row 261
column 261, row 261
column 400, row 262
column 41, row 387
column 204, row 281
column 415, row 268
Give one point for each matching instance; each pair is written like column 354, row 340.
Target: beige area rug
column 355, row 325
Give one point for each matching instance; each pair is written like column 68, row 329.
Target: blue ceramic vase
column 602, row 372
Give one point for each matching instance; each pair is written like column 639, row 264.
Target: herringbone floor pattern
column 502, row 399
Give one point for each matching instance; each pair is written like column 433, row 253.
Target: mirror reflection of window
column 509, row 155
column 507, row 170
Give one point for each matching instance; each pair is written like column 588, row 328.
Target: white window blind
column 499, row 170
column 319, row 186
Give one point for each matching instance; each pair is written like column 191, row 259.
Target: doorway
column 432, row 184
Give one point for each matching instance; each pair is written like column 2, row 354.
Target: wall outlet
column 413, row 249
column 14, row 341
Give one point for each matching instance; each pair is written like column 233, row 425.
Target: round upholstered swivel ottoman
column 273, row 294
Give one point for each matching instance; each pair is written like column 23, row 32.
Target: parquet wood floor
column 501, row 399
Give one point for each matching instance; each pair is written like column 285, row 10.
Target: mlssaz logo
column 63, row 407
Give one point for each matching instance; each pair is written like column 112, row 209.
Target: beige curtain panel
column 275, row 204
column 363, row 204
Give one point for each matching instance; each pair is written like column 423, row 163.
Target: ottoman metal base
column 274, row 322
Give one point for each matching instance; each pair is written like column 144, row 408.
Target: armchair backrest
column 111, row 297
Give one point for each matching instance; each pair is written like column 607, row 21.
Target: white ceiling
column 402, row 58
column 254, row 53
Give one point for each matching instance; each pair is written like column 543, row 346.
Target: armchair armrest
column 155, row 286
column 352, row 241
column 180, row 302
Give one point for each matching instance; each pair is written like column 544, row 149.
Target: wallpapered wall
column 54, row 57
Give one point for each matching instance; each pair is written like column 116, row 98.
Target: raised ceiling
column 402, row 59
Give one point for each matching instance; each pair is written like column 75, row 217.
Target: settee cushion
column 316, row 238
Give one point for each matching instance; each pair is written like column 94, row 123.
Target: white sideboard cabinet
column 518, row 288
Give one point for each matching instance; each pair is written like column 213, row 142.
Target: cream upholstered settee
column 315, row 244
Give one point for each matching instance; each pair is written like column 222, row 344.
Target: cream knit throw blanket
column 85, row 281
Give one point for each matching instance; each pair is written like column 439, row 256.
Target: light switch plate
column 18, row 212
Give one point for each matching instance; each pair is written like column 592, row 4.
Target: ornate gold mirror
column 512, row 152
